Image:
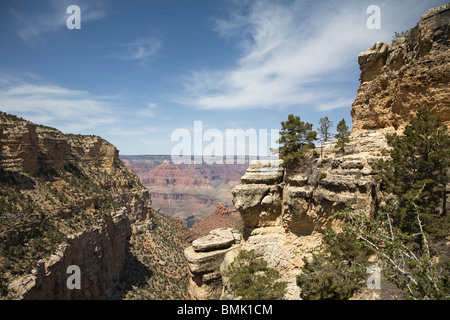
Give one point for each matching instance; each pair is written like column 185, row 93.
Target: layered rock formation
column 169, row 174
column 411, row 72
column 189, row 192
column 159, row 171
column 285, row 213
column 64, row 200
column 205, row 258
column 25, row 146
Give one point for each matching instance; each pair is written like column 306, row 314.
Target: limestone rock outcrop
column 411, row 72
column 285, row 217
column 205, row 257
column 285, row 213
column 258, row 197
column 25, row 146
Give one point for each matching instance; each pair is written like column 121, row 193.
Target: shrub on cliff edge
column 251, row 279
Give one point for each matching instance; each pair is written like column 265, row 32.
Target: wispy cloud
column 79, row 111
column 42, row 102
column 291, row 54
column 149, row 111
column 141, row 50
column 32, row 28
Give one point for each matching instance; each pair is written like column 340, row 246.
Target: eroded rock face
column 285, row 214
column 286, row 218
column 20, row 146
column 99, row 252
column 258, row 197
column 26, row 147
column 205, row 257
column 67, row 180
column 409, row 73
column 372, row 61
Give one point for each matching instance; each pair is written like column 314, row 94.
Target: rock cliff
column 411, row 72
column 285, row 213
column 99, row 252
column 205, row 258
column 64, row 200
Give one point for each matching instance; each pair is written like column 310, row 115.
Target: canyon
column 189, row 192
column 70, row 199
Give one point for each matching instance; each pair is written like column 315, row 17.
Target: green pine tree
column 342, row 135
column 324, row 132
column 406, row 235
column 297, row 137
column 336, row 272
column 417, row 172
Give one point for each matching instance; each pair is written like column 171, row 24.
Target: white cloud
column 149, row 111
column 41, row 102
column 292, row 53
column 335, row 104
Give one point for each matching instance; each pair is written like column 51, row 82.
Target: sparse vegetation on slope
column 49, row 192
column 155, row 268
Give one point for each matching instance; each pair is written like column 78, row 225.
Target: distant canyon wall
column 189, row 192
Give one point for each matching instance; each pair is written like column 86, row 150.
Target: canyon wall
column 285, row 213
column 65, row 200
column 189, row 192
column 99, row 252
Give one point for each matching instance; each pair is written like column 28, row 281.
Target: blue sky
column 137, row 70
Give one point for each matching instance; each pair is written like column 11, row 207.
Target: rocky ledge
column 205, row 258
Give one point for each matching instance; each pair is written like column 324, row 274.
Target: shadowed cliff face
column 99, row 252
column 285, row 213
column 65, row 200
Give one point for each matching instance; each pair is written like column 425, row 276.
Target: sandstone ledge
column 205, row 258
